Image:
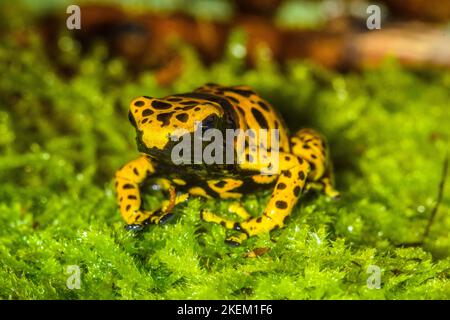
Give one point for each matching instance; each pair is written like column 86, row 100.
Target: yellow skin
column 303, row 159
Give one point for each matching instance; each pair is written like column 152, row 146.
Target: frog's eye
column 131, row 118
column 210, row 122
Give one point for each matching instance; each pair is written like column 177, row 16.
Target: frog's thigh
column 127, row 183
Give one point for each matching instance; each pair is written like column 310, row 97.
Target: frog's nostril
column 131, row 118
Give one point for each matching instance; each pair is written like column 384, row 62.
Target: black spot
column 259, row 117
column 264, row 105
column 305, row 146
column 287, row 158
column 135, row 171
column 160, row 105
column 237, row 226
column 232, row 99
column 128, row 186
column 197, row 109
column 128, row 208
column 189, row 102
column 301, row 175
column 244, row 93
column 183, row 117
column 313, row 166
column 131, row 119
column 223, row 223
column 281, row 186
column 313, row 156
column 145, row 120
column 281, row 204
column 139, row 103
column 220, row 184
column 276, row 124
column 132, row 197
column 164, row 118
column 296, row 191
column 147, row 112
column 287, row 173
column 259, row 219
column 300, row 160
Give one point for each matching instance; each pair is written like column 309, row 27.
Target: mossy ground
column 61, row 139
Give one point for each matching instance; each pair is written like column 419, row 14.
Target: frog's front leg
column 128, row 179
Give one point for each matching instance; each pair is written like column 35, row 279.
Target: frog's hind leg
column 128, row 179
column 290, row 183
column 311, row 146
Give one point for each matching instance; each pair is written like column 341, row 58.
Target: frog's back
column 250, row 110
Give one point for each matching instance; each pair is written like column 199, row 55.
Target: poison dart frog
column 302, row 159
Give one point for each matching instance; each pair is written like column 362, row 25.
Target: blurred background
column 330, row 33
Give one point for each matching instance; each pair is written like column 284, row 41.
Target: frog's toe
column 336, row 197
column 134, row 227
column 166, row 218
column 236, row 240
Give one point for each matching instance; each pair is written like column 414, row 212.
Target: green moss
column 62, row 139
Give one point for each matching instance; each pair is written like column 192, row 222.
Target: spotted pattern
column 302, row 159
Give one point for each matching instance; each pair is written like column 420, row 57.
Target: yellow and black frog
column 299, row 162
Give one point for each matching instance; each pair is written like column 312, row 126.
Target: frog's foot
column 144, row 218
column 234, row 240
column 323, row 185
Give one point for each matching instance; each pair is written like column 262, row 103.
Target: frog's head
column 160, row 123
